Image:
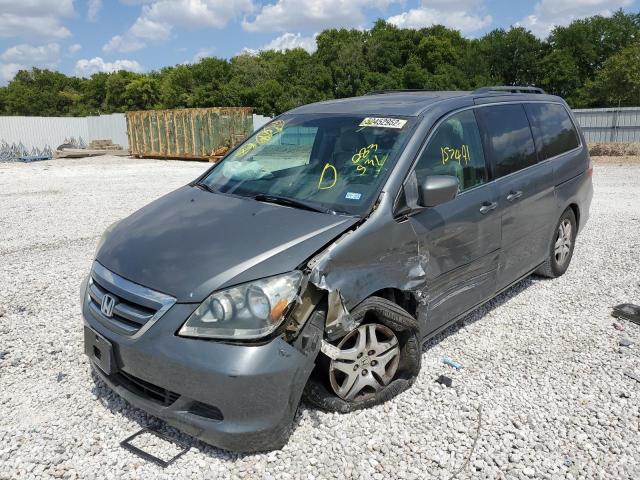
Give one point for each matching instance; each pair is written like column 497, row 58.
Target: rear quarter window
column 508, row 138
column 553, row 130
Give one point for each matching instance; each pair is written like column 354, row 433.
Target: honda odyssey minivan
column 319, row 254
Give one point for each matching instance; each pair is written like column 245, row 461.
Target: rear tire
column 561, row 246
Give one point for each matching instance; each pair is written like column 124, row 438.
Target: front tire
column 377, row 361
column 561, row 247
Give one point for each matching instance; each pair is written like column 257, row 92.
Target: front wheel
column 371, row 364
column 366, row 362
column 561, row 247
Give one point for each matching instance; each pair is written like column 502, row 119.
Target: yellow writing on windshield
column 367, row 157
column 277, row 125
column 264, row 136
column 246, row 148
column 330, row 182
column 364, row 153
column 458, row 154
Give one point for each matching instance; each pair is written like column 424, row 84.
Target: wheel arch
column 405, row 299
column 576, row 212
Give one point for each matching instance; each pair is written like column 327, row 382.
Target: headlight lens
column 247, row 311
column 258, row 303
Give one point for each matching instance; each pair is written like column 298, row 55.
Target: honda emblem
column 106, row 307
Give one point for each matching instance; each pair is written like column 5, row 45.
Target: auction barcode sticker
column 382, row 122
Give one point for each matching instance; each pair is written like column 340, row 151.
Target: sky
column 81, row 37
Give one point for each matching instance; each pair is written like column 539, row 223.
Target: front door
column 460, row 238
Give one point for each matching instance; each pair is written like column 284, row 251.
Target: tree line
column 593, row 62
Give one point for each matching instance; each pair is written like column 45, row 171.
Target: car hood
column 192, row 242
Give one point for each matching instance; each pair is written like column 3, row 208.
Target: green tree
column 591, row 41
column 177, row 87
column 343, row 52
column 115, row 86
column 94, row 93
column 141, row 93
column 414, row 76
column 583, row 62
column 512, row 56
column 559, row 74
column 618, row 81
column 213, row 83
column 385, row 47
column 41, row 92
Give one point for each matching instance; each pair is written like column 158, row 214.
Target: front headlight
column 248, row 311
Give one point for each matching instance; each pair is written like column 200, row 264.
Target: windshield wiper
column 290, row 202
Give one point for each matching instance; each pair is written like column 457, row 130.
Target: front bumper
column 237, row 397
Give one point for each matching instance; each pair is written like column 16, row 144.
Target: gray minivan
column 320, row 253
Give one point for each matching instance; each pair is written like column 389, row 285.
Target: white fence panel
column 107, row 127
column 610, row 124
column 40, row 132
column 259, row 121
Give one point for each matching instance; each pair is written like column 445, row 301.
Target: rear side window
column 507, row 137
column 553, row 129
column 455, row 149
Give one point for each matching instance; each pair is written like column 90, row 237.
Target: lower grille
column 145, row 389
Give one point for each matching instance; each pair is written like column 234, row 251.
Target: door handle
column 514, row 195
column 487, row 207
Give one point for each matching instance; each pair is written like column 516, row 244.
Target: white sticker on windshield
column 383, row 122
column 353, row 196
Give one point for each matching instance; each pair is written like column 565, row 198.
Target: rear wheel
column 561, row 247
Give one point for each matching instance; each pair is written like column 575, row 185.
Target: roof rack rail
column 402, row 90
column 509, row 89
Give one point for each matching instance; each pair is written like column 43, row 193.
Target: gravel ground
column 542, row 393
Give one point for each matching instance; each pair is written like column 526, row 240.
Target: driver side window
column 455, row 149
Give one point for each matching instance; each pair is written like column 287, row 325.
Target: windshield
column 329, row 162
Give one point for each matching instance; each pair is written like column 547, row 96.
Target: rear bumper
column 237, row 397
column 586, row 206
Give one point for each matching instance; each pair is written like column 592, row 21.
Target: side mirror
column 437, row 189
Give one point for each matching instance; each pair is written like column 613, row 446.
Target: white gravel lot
column 541, row 362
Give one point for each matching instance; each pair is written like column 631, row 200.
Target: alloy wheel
column 562, row 246
column 367, row 362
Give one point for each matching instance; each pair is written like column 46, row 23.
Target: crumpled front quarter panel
column 381, row 253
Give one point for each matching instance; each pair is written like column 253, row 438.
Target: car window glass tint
column 508, row 138
column 553, row 129
column 455, row 149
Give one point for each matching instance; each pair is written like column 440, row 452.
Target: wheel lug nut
column 373, row 363
column 360, row 355
column 355, row 367
column 371, row 352
column 364, row 372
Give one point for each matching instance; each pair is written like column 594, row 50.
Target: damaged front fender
column 376, row 255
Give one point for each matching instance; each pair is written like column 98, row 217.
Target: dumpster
column 188, row 133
